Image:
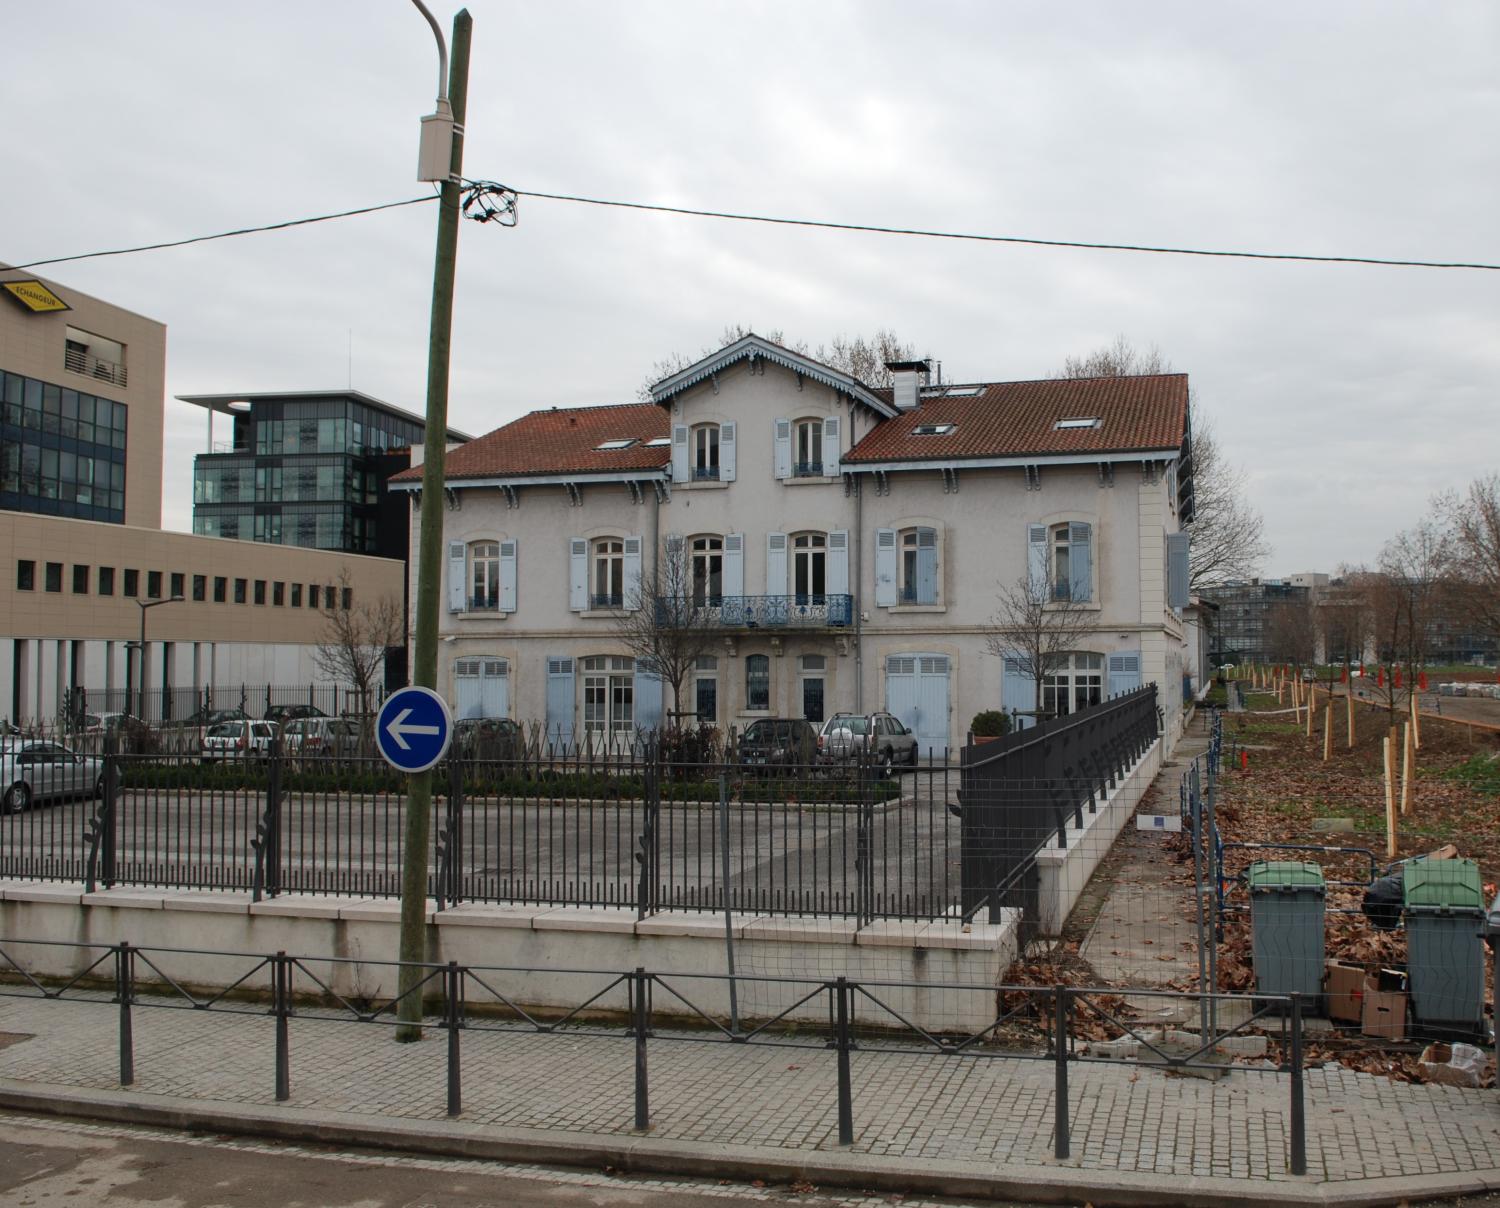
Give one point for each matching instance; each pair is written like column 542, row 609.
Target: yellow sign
column 34, row 296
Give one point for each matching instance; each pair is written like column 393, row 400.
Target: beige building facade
column 848, row 550
column 81, row 429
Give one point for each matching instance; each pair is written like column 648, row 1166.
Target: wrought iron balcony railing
column 706, row 473
column 606, row 600
column 807, row 469
column 757, row 612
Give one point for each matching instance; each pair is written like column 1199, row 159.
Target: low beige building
column 81, row 543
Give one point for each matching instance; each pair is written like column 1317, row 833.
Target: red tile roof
column 1016, row 419
column 562, row 441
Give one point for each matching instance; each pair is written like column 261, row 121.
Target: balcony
column 807, row 469
column 79, row 359
column 757, row 612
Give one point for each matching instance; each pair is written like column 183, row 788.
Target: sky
column 1350, row 394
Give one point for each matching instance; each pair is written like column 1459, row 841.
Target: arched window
column 705, row 449
column 608, row 590
column 757, row 683
column 807, row 449
column 1077, row 683
column 708, row 570
column 484, row 575
column 809, row 566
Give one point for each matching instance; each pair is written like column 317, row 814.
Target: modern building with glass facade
column 306, row 469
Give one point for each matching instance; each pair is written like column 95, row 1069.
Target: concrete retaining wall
column 1062, row 872
column 534, row 956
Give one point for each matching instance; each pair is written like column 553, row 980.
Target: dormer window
column 1091, row 421
column 622, row 443
column 933, row 429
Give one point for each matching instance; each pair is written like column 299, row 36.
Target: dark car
column 778, row 742
column 203, row 718
column 281, row 714
column 488, row 738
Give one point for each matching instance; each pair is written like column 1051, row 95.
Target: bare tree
column 351, row 649
column 1228, row 539
column 1292, row 632
column 861, row 357
column 1473, row 521
column 1037, row 627
column 667, row 621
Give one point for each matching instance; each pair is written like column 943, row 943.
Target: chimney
column 910, row 377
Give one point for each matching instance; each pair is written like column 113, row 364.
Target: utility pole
column 429, row 554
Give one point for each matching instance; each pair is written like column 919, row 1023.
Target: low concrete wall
column 1062, row 872
column 531, row 956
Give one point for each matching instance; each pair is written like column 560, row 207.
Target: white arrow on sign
column 398, row 731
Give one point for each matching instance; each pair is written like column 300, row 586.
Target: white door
column 916, row 691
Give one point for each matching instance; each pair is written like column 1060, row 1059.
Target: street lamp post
column 140, row 649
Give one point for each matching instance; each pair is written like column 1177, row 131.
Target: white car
column 31, row 772
column 321, row 736
column 238, row 740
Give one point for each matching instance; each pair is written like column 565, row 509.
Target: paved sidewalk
column 941, row 1124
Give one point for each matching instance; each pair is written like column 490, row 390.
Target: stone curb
column 648, row 1155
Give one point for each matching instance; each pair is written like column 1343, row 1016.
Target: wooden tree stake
column 1416, row 725
column 1328, row 732
column 1408, row 767
column 1349, row 705
column 1390, row 797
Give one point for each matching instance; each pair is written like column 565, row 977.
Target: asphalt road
column 46, row 1162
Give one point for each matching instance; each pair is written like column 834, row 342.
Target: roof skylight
column 658, row 442
column 1079, row 422
column 933, row 429
column 622, row 443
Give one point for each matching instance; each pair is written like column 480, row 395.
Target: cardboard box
column 1344, row 984
column 1384, row 1012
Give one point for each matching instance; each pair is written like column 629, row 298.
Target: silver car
column 238, row 740
column 39, row 771
column 880, row 736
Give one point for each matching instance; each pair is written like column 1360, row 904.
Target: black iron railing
column 807, row 469
column 1022, row 792
column 759, row 612
column 606, row 599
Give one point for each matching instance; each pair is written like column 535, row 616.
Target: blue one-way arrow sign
column 413, row 729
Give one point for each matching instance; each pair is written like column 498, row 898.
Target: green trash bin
column 1286, row 927
column 1446, row 925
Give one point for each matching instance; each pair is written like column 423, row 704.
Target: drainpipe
column 857, row 583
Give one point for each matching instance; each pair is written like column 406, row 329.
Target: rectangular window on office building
column 178, row 582
column 312, row 595
column 54, row 576
column 25, row 575
column 260, row 591
column 221, row 589
column 278, row 594
column 296, row 595
column 200, row 588
column 80, row 580
column 241, row 587
column 348, row 599
column 153, row 584
column 106, row 580
column 132, row 585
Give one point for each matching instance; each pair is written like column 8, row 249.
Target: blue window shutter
column 1037, row 578
column 1081, row 562
column 457, row 584
column 560, row 702
column 927, row 566
column 831, row 446
column 578, row 574
column 775, row 564
column 632, row 572
column 734, row 564
column 1177, row 570
column 648, row 695
column 1018, row 691
column 837, row 578
column 1124, row 672
column 885, row 568
column 727, row 452
column 783, row 430
column 679, row 453
column 507, row 576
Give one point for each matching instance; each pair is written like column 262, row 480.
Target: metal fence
column 1056, row 1024
column 1023, row 791
column 81, row 707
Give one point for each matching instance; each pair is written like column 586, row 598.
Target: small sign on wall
column 1158, row 822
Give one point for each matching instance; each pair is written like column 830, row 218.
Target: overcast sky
column 1349, row 393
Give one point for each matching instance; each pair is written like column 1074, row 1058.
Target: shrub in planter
column 990, row 723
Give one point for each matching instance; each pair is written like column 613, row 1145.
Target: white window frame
column 705, row 446
column 607, row 570
column 907, row 543
column 706, row 567
column 484, row 575
column 808, row 454
column 1079, row 684
column 608, row 685
column 809, row 558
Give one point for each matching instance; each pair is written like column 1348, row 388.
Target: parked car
column 40, row 771
column 238, row 740
column 878, row 736
column 778, row 742
column 281, row 714
column 320, row 736
column 488, row 738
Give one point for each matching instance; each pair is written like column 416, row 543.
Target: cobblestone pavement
column 921, row 1107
